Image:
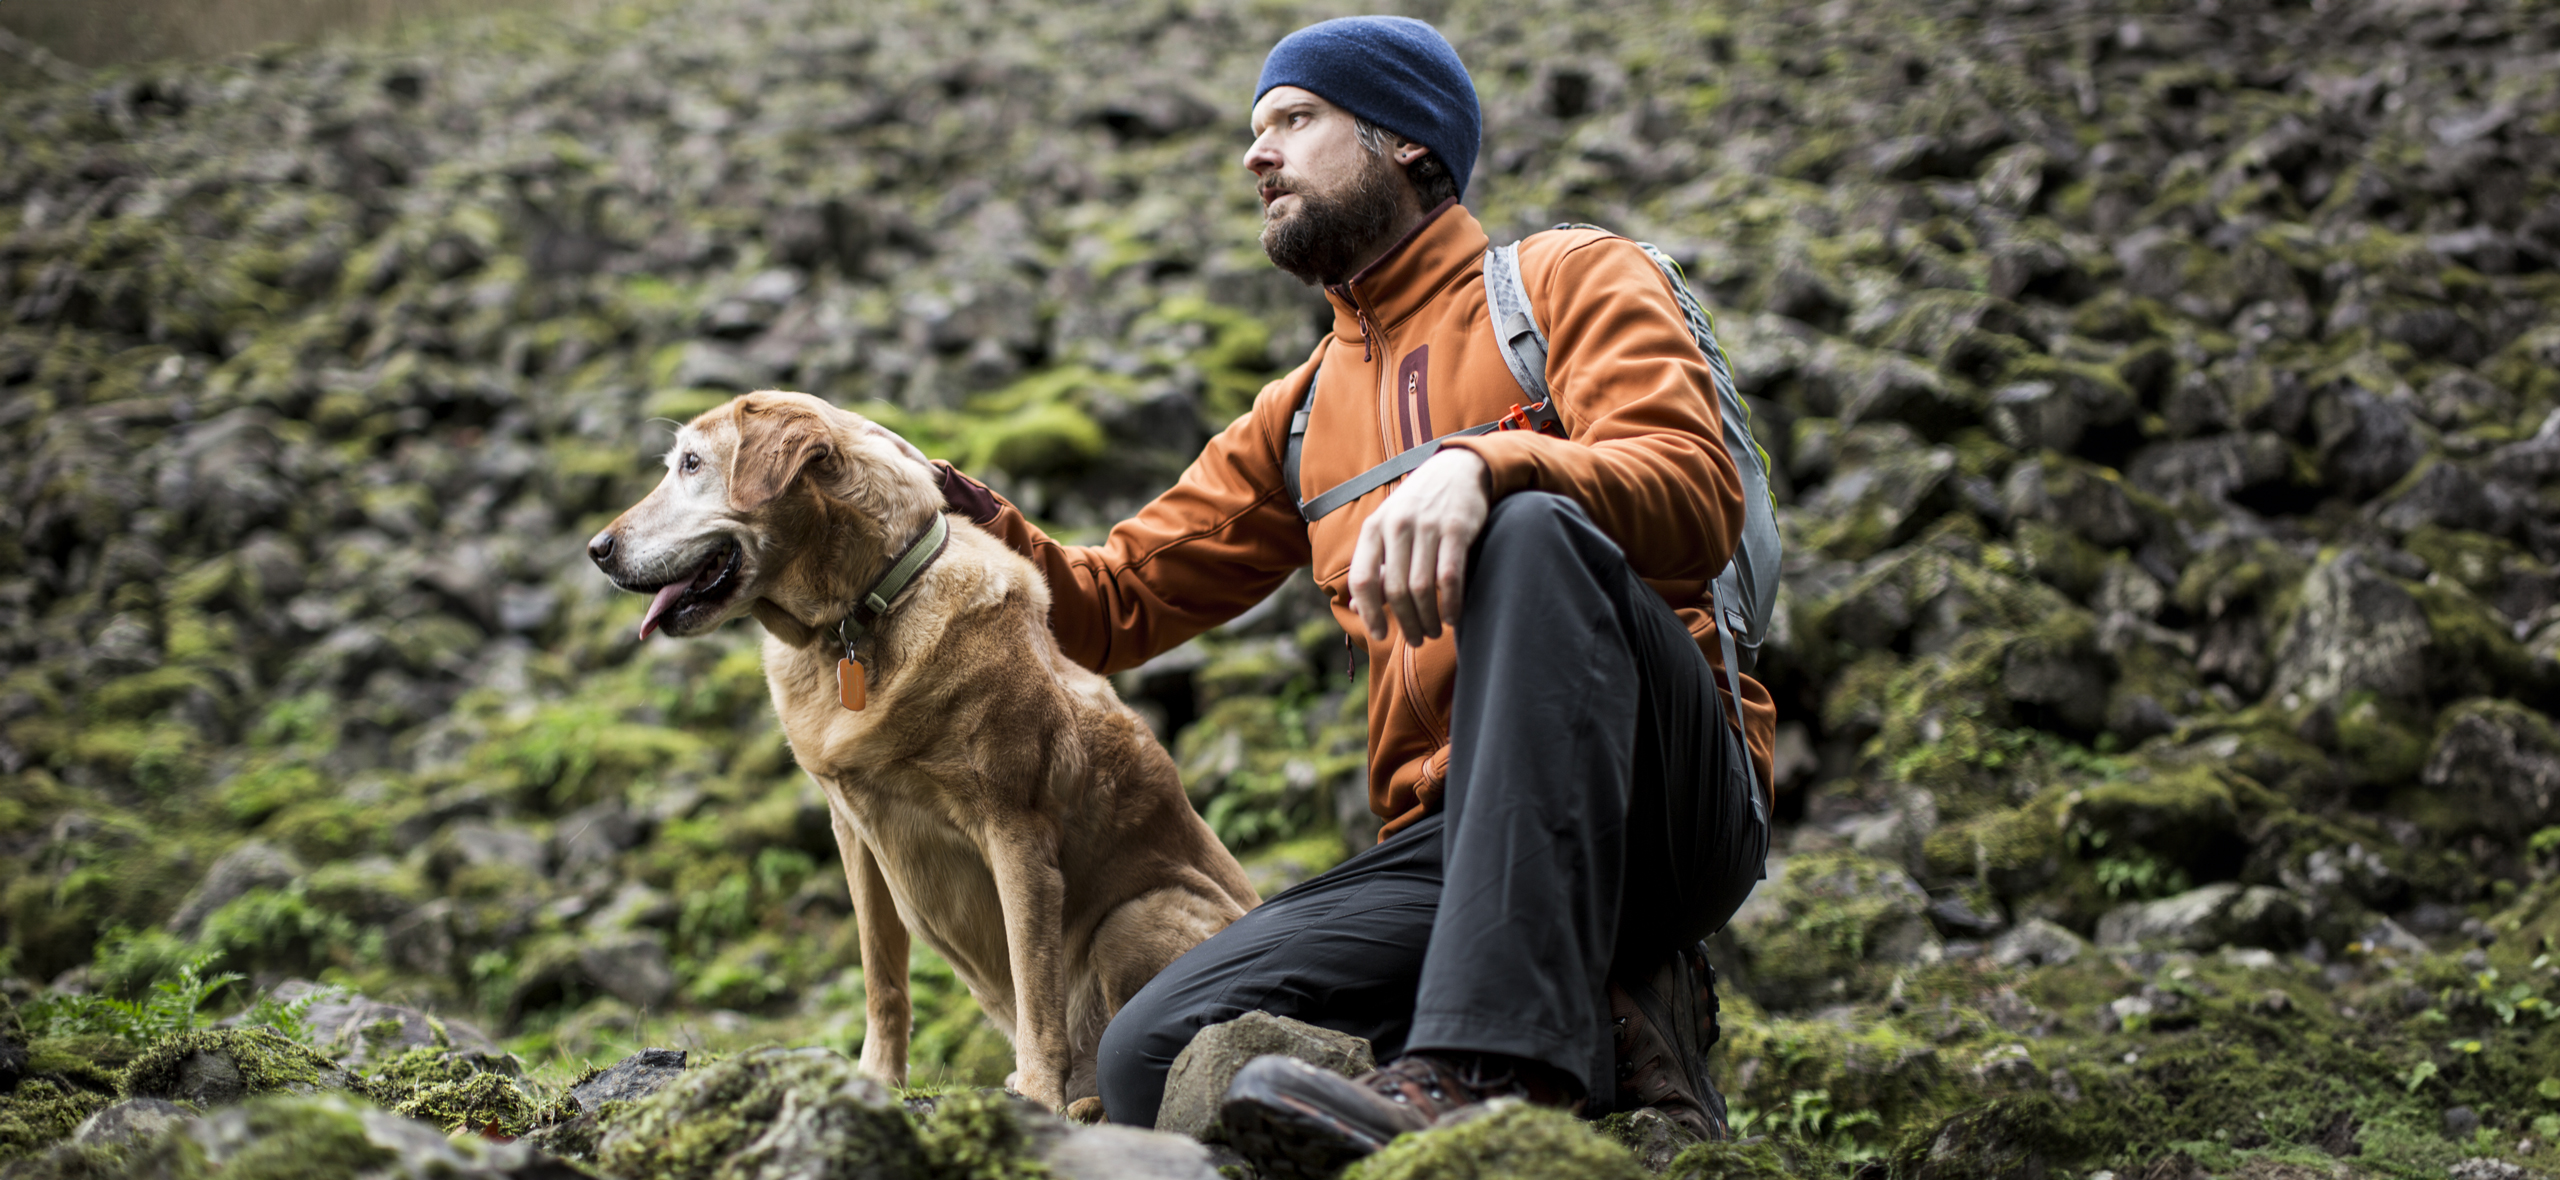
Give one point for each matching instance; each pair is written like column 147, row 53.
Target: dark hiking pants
column 1590, row 817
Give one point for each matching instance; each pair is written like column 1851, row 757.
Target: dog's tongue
column 668, row 593
column 667, row 596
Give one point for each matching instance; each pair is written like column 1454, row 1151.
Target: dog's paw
column 1087, row 1111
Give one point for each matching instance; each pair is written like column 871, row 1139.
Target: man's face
column 1327, row 200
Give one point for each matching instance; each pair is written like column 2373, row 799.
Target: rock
column 479, row 845
column 1503, row 1139
column 1901, row 833
column 2355, row 631
column 1649, row 1135
column 2037, row 942
column 1198, row 1080
column 13, row 1061
column 1113, row 1152
column 134, row 1120
column 220, row 1066
column 2208, row 917
column 254, row 865
column 2084, row 500
column 2450, row 496
column 2052, row 414
column 360, row 1032
column 422, row 940
column 2482, row 1167
column 333, row 1134
column 2210, row 471
column 1806, row 931
column 766, row 1114
column 2366, row 443
column 2012, row 1139
column 2497, row 765
column 630, row 1079
column 632, row 967
column 2460, row 1122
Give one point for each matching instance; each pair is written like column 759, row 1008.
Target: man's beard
column 1332, row 232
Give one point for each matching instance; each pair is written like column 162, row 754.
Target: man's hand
column 1412, row 555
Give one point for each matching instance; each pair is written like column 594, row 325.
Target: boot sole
column 1285, row 1143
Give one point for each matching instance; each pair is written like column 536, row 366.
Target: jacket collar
column 1449, row 245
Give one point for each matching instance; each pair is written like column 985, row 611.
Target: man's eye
column 691, row 463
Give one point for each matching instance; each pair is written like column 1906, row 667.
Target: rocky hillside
column 2163, row 396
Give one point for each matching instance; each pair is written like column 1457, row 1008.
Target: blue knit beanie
column 1394, row 71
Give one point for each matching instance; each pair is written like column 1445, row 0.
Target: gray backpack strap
column 1515, row 326
column 1298, row 439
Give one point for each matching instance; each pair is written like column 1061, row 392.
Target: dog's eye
column 690, row 463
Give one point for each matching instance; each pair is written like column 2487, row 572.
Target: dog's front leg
column 888, row 1011
column 1025, row 860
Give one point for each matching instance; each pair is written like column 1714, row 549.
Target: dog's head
column 776, row 499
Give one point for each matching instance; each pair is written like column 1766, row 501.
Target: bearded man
column 1547, row 741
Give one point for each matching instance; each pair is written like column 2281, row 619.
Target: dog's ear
column 775, row 441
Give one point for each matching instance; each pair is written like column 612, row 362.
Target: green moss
column 267, row 1061
column 289, row 1137
column 419, row 1069
column 1761, row 1157
column 2477, row 560
column 480, row 1101
column 698, row 1125
column 1518, row 1142
column 40, row 1112
column 2471, row 652
column 1828, row 916
column 93, row 1060
column 2380, row 746
column 978, row 1135
column 2012, row 851
column 2187, row 815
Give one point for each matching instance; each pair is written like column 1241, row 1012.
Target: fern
column 168, row 1009
column 289, row 1016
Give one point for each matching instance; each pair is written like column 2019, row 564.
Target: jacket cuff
column 966, row 496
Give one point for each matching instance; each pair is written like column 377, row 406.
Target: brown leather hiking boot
column 1664, row 1022
column 1294, row 1120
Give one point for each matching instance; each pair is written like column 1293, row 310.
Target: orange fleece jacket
column 1412, row 356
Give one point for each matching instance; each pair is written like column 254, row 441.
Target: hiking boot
column 1294, row 1120
column 1663, row 1024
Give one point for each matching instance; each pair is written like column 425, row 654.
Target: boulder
column 2497, row 764
column 2225, row 913
column 360, row 1032
column 1808, row 929
column 628, row 1080
column 337, row 1135
column 632, row 967
column 1113, row 1152
column 1198, row 1080
column 2037, row 942
column 216, row 1067
column 134, row 1120
column 254, row 865
column 766, row 1114
column 2356, row 630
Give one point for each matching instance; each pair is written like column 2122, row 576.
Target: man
column 1546, row 741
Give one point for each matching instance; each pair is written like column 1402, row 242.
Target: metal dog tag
column 850, row 691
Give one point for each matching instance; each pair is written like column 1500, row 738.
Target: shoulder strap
column 1298, row 438
column 1515, row 325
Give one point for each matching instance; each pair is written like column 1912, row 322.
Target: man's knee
column 1540, row 531
column 1137, row 1049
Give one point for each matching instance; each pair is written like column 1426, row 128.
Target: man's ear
column 774, row 443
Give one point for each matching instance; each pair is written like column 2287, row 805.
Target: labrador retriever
column 988, row 794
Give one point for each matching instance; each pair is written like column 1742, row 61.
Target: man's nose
column 1261, row 158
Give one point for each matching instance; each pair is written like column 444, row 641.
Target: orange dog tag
column 850, row 691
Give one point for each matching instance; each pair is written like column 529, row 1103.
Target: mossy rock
column 1511, row 1142
column 766, row 1112
column 212, row 1067
column 90, row 1060
column 480, row 1102
column 1823, row 928
column 41, row 1112
column 2187, row 817
column 984, row 1135
column 2007, row 1140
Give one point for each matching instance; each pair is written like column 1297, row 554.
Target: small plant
column 168, row 1009
column 1809, row 1117
column 290, row 1017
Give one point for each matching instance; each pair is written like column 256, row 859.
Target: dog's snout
column 600, row 550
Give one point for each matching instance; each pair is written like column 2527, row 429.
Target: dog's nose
column 600, row 550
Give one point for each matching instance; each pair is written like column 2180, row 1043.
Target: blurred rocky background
column 2164, row 410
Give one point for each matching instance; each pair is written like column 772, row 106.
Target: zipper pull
column 1365, row 354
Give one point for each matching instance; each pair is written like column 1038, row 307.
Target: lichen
column 1515, row 1142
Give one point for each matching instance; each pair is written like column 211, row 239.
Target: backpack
column 1746, row 590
